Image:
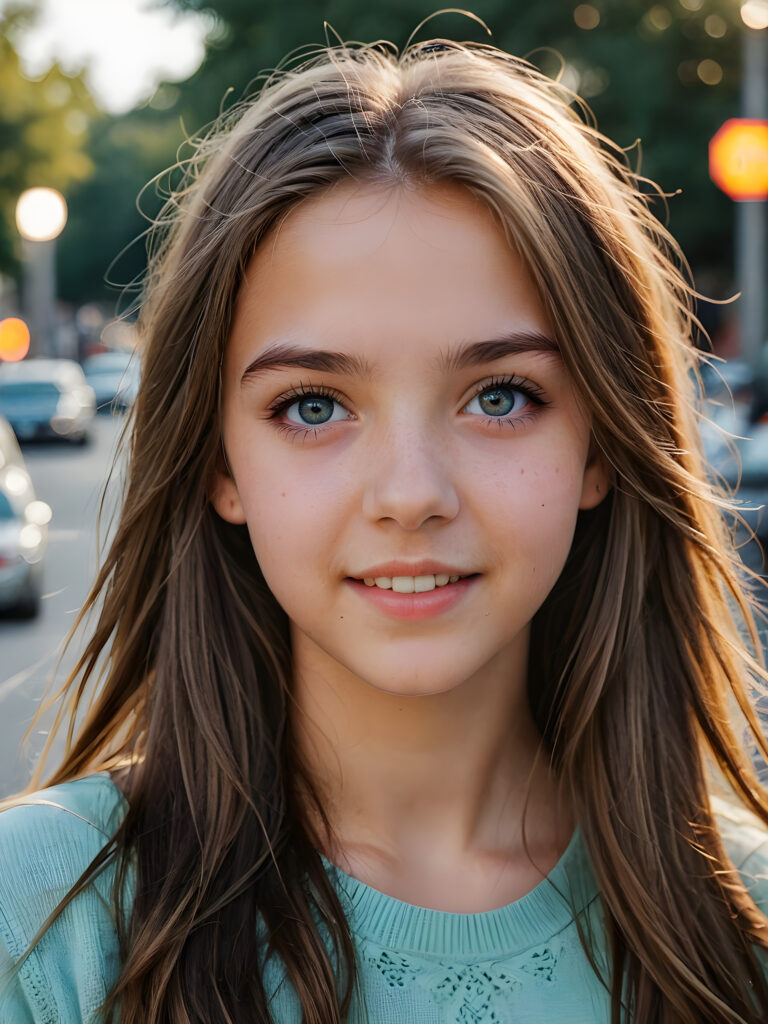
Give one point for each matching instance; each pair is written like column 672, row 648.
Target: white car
column 46, row 398
column 23, row 531
column 114, row 377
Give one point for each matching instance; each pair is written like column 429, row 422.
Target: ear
column 225, row 497
column 598, row 477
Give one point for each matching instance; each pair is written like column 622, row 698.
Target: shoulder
column 94, row 801
column 745, row 839
column 47, row 840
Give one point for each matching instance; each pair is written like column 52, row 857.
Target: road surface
column 71, row 479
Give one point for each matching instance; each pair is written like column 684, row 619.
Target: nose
column 409, row 480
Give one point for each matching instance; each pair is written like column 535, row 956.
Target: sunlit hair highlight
column 638, row 656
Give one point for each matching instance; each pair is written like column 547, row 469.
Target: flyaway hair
column 638, row 660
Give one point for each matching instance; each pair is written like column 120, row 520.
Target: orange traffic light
column 14, row 339
column 738, row 158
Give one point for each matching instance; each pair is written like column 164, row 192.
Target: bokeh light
column 738, row 159
column 715, row 26
column 39, row 513
column 710, row 72
column 593, row 82
column 41, row 214
column 14, row 339
column 692, row 5
column 570, row 77
column 754, row 14
column 658, row 18
column 586, row 16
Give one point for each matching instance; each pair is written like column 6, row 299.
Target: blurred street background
column 71, row 481
column 99, row 97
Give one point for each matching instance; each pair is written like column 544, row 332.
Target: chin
column 401, row 684
column 418, row 689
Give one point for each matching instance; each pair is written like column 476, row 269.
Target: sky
column 127, row 46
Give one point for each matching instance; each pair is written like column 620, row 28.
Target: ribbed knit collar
column 529, row 921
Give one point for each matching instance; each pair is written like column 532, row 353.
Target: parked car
column 114, row 377
column 23, row 531
column 735, row 441
column 46, row 398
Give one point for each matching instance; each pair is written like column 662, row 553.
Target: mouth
column 414, row 598
column 421, row 584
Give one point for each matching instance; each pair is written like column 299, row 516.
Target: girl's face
column 394, row 408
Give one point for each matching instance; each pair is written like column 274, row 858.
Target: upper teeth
column 410, row 584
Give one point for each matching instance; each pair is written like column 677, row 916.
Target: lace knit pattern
column 464, row 993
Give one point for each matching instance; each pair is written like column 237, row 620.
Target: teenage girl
column 419, row 660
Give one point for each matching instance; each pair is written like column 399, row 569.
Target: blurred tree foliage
column 43, row 131
column 666, row 73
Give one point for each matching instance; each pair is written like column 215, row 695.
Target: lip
column 425, row 567
column 414, row 607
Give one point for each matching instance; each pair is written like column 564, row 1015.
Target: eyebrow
column 513, row 343
column 282, row 355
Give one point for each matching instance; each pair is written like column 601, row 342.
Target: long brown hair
column 637, row 655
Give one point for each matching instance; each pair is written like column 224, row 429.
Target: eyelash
column 281, row 403
column 526, row 387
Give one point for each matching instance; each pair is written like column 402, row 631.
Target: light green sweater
column 522, row 963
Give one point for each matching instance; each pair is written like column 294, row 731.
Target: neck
column 401, row 777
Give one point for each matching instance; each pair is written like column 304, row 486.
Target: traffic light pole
column 752, row 215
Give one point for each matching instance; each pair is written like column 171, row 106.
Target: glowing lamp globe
column 754, row 14
column 738, row 159
column 14, row 339
column 41, row 214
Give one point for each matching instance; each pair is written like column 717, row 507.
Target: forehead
column 364, row 266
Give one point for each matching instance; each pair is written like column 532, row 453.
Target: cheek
column 279, row 548
column 532, row 515
column 293, row 522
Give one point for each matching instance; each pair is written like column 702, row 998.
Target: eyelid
column 301, row 390
column 528, row 387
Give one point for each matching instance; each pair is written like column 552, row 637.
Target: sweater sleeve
column 45, row 846
column 14, row 1005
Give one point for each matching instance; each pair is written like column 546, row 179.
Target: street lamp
column 754, row 14
column 41, row 214
column 751, row 220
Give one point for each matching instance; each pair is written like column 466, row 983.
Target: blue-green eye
column 315, row 410
column 498, row 401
